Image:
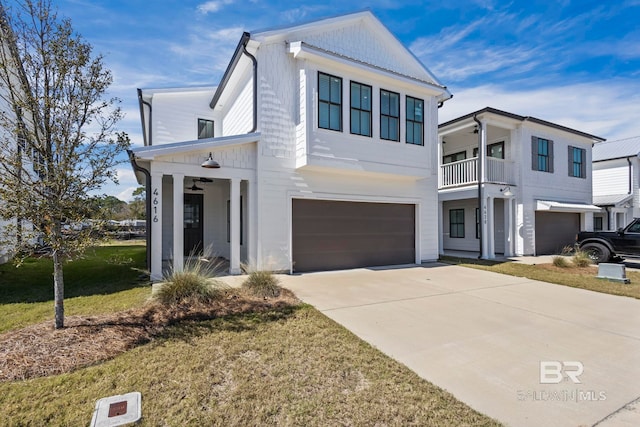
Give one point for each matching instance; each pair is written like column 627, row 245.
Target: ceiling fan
column 194, row 187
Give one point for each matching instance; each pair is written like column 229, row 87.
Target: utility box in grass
column 118, row 410
column 613, row 272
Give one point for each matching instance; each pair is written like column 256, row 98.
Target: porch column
column 156, row 226
column 508, row 227
column 440, row 228
column 178, row 221
column 491, row 229
column 252, row 209
column 234, row 267
column 438, row 161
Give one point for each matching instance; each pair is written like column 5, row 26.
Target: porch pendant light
column 210, row 163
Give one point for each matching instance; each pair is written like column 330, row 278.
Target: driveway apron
column 524, row 352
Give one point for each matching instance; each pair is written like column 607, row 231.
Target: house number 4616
column 155, row 204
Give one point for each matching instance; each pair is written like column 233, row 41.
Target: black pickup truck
column 603, row 246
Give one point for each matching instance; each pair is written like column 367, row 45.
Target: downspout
column 480, row 131
column 147, row 188
column 630, row 176
column 141, row 101
column 255, row 87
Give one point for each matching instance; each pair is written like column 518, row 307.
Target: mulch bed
column 40, row 350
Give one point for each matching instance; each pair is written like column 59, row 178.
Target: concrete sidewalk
column 482, row 336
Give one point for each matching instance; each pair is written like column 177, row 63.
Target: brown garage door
column 555, row 230
column 331, row 235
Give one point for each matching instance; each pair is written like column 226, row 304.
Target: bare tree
column 58, row 140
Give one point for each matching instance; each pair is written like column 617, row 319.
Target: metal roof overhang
column 553, row 206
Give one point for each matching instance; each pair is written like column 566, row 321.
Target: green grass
column 584, row 278
column 292, row 366
column 107, row 279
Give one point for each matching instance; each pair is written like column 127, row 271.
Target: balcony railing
column 465, row 172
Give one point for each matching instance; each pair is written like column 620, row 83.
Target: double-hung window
column 389, row 115
column 205, row 128
column 541, row 154
column 329, row 102
column 577, row 165
column 456, row 223
column 360, row 109
column 415, row 121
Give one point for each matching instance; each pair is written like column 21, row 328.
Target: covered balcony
column 465, row 172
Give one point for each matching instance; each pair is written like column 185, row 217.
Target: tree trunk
column 58, row 290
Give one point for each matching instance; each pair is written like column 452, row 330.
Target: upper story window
column 329, row 102
column 577, row 164
column 415, row 121
column 541, row 154
column 360, row 109
column 389, row 115
column 205, row 128
column 455, row 157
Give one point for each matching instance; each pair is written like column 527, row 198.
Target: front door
column 193, row 224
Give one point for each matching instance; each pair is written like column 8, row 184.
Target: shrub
column 262, row 284
column 581, row 259
column 560, row 261
column 193, row 283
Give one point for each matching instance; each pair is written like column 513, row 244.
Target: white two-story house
column 616, row 183
column 317, row 150
column 512, row 185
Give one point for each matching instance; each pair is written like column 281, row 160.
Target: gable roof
column 517, row 117
column 621, row 148
column 422, row 73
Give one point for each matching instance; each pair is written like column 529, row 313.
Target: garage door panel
column 555, row 231
column 334, row 235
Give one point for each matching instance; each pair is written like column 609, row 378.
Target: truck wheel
column 597, row 252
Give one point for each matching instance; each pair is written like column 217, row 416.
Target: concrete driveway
column 498, row 343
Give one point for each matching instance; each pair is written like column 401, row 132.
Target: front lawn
column 107, row 279
column 584, row 278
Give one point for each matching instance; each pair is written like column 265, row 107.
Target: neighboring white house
column 536, row 184
column 616, row 182
column 6, row 247
column 326, row 138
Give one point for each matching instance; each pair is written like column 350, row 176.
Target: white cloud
column 608, row 109
column 213, row 6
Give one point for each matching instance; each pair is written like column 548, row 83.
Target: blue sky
column 576, row 63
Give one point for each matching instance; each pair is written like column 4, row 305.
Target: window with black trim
column 205, row 128
column 495, row 150
column 577, row 164
column 541, row 154
column 597, row 223
column 455, row 157
column 360, row 109
column 329, row 102
column 389, row 115
column 456, row 223
column 414, row 121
